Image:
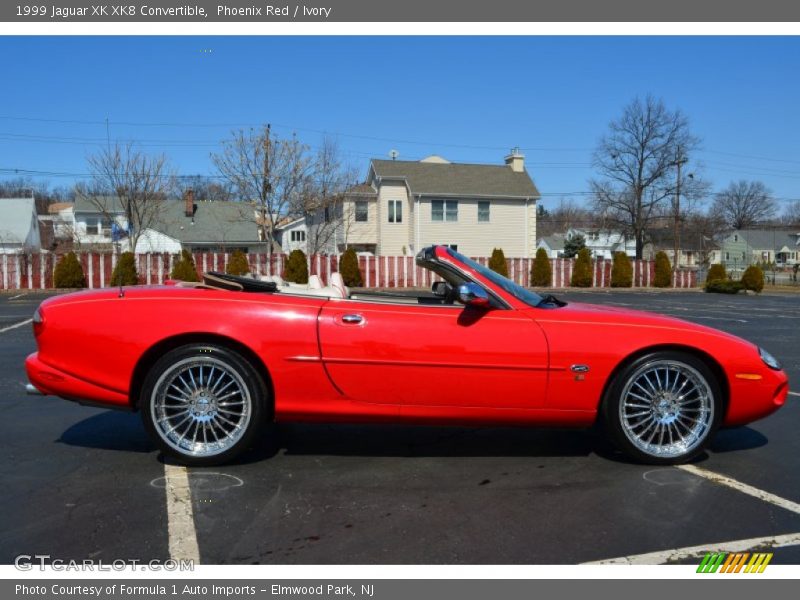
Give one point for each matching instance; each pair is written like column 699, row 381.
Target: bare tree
column 704, row 228
column 327, row 213
column 207, row 189
column 636, row 159
column 140, row 183
column 566, row 215
column 791, row 216
column 266, row 170
column 42, row 192
column 744, row 203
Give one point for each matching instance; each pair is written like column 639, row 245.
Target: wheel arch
column 154, row 352
column 709, row 360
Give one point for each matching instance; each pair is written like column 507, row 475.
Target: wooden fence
column 35, row 271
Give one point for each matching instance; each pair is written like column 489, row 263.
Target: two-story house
column 471, row 207
column 406, row 205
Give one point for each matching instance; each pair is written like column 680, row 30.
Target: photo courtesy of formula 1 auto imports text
column 386, row 300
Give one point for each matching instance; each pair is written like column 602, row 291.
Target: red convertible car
column 208, row 365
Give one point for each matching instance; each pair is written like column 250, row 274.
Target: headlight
column 769, row 360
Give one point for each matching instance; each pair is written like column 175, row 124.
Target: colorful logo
column 724, row 562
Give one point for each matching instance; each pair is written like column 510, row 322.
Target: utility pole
column 679, row 161
column 266, row 190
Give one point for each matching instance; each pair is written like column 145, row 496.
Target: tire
column 663, row 408
column 203, row 404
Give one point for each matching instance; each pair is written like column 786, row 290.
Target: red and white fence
column 35, row 271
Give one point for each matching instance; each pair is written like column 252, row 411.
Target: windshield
column 520, row 293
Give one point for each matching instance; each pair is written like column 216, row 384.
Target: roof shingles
column 458, row 179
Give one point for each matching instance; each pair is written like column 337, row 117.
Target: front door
column 434, row 355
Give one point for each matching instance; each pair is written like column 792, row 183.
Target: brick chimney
column 188, row 198
column 516, row 161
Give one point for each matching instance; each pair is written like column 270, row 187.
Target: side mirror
column 473, row 295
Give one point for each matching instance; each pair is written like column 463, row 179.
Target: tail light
column 38, row 322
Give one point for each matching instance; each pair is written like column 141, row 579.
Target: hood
column 616, row 314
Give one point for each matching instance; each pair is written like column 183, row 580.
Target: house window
column 362, row 211
column 483, row 211
column 735, row 238
column 395, row 211
column 327, row 215
column 444, row 210
column 298, row 236
column 727, row 256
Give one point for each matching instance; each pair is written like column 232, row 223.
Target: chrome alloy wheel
column 201, row 406
column 666, row 409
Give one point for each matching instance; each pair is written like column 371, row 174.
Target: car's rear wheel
column 663, row 408
column 203, row 404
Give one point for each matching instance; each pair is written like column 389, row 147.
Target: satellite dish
column 394, row 154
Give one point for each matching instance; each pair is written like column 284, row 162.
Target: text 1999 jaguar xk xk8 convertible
column 209, row 365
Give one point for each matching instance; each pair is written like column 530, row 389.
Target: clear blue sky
column 468, row 99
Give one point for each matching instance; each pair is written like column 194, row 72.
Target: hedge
column 296, row 267
column 582, row 271
column 348, row 269
column 497, row 262
column 69, row 273
column 541, row 272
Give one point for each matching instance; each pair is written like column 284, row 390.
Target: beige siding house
column 472, row 207
column 404, row 206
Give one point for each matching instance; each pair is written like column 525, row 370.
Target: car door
column 434, row 355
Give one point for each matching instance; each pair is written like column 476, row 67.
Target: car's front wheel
column 663, row 408
column 203, row 404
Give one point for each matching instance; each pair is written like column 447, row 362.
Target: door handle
column 352, row 319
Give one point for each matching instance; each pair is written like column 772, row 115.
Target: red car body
column 410, row 363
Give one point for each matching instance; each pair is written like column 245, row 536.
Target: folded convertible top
column 236, row 283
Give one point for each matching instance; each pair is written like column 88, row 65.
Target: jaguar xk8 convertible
column 209, row 365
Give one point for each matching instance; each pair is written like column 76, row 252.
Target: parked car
column 209, row 365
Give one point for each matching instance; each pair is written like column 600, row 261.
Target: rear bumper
column 53, row 382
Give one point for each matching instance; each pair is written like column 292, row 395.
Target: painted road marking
column 794, row 393
column 17, row 296
column 15, row 325
column 180, row 516
column 742, row 487
column 696, row 552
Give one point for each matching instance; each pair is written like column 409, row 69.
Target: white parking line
column 17, row 296
column 180, row 515
column 676, row 554
column 794, row 394
column 742, row 487
column 15, row 325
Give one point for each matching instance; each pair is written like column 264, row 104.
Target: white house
column 19, row 225
column 292, row 234
column 213, row 226
column 603, row 243
column 553, row 245
column 97, row 220
column 175, row 225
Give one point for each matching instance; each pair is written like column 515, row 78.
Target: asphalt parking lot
column 86, row 483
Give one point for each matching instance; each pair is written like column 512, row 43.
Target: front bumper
column 48, row 381
column 751, row 400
